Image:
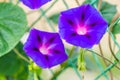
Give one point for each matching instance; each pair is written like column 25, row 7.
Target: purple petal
column 75, row 39
column 82, row 26
column 45, row 48
column 34, row 4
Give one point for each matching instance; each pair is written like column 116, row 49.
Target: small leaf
column 54, row 18
column 12, row 26
column 116, row 29
column 108, row 11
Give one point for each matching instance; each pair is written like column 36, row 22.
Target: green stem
column 65, row 3
column 35, row 76
column 113, row 38
column 43, row 14
column 110, row 46
column 71, row 51
column 50, row 24
column 114, row 23
column 77, row 2
column 93, row 2
column 21, row 56
column 39, row 78
column 106, row 70
column 101, row 52
column 64, row 66
column 76, row 70
column 100, row 65
column 81, row 55
column 70, row 54
column 51, row 71
column 99, row 4
column 58, row 73
column 81, row 60
column 71, row 63
column 68, row 64
column 117, row 44
column 103, row 57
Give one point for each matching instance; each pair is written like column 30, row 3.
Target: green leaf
column 12, row 26
column 11, row 65
column 108, row 11
column 54, row 18
column 116, row 29
column 2, row 77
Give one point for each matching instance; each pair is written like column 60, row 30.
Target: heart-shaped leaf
column 108, row 11
column 12, row 26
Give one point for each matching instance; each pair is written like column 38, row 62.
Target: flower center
column 81, row 30
column 43, row 50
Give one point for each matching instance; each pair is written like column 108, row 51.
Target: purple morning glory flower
column 45, row 49
column 82, row 26
column 34, row 4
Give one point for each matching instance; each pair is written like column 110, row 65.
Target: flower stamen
column 81, row 30
column 43, row 50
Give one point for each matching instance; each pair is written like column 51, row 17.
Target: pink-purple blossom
column 82, row 26
column 45, row 49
